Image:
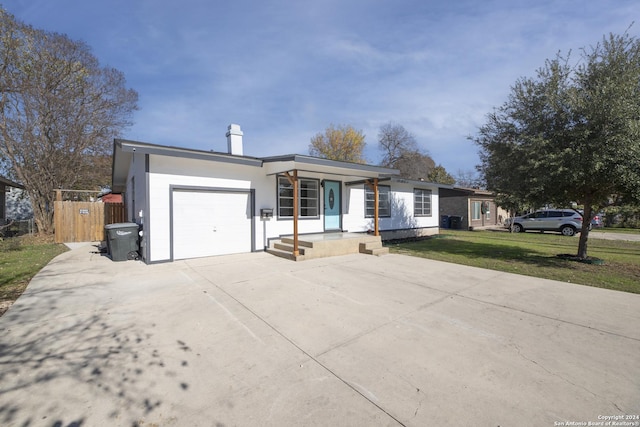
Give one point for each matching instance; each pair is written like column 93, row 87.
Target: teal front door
column 332, row 205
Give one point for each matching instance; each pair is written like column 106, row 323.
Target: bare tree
column 60, row 111
column 401, row 151
column 395, row 142
column 468, row 178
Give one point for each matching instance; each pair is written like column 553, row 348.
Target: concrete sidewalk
column 253, row 339
column 608, row 235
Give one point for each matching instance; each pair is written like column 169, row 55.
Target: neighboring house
column 7, row 186
column 473, row 208
column 194, row 203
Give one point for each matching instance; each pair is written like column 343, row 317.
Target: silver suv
column 566, row 221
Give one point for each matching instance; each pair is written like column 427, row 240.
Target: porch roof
column 280, row 164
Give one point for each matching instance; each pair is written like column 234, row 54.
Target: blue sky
column 285, row 70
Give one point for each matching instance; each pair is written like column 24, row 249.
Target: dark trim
column 10, row 183
column 364, row 181
column 462, row 192
column 123, row 150
column 430, row 215
column 199, row 189
column 165, row 150
column 320, row 172
column 146, row 163
column 389, row 201
column 298, row 158
column 162, row 261
column 278, row 217
column 416, row 182
column 146, row 220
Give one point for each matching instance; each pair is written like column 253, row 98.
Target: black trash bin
column 456, row 222
column 122, row 241
column 445, row 221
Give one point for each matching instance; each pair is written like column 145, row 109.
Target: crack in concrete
column 514, row 345
column 306, row 353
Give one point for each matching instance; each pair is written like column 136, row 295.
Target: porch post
column 294, row 182
column 376, row 198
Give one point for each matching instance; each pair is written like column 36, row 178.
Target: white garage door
column 207, row 223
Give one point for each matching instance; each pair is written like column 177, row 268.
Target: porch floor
column 322, row 245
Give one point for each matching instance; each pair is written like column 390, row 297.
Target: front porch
column 323, row 245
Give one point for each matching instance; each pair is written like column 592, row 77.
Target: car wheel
column 517, row 228
column 568, row 230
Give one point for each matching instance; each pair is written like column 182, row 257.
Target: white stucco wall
column 165, row 172
column 402, row 216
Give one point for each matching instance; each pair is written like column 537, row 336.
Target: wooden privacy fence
column 113, row 213
column 84, row 221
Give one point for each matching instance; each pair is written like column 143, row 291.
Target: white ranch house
column 195, row 203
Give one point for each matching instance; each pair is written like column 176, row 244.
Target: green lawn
column 534, row 254
column 20, row 259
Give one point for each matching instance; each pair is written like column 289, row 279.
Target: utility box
column 122, row 241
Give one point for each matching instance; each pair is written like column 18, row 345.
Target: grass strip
column 21, row 258
column 534, row 254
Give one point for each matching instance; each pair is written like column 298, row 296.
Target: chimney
column 234, row 140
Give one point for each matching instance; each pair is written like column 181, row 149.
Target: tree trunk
column 584, row 233
column 43, row 215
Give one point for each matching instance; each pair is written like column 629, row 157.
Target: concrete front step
column 326, row 245
column 376, row 251
column 285, row 254
column 278, row 244
column 373, row 248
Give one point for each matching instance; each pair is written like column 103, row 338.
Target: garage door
column 207, row 223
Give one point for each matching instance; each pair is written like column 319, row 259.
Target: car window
column 555, row 214
column 540, row 215
column 569, row 213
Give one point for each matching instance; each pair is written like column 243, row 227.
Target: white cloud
column 285, row 70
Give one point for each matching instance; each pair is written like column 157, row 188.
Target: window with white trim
column 384, row 201
column 308, row 197
column 421, row 202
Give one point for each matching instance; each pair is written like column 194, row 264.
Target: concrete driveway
column 357, row 340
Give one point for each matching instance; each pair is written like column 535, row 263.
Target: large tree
column 342, row 143
column 440, row 175
column 60, row 111
column 395, row 142
column 570, row 134
column 400, row 150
